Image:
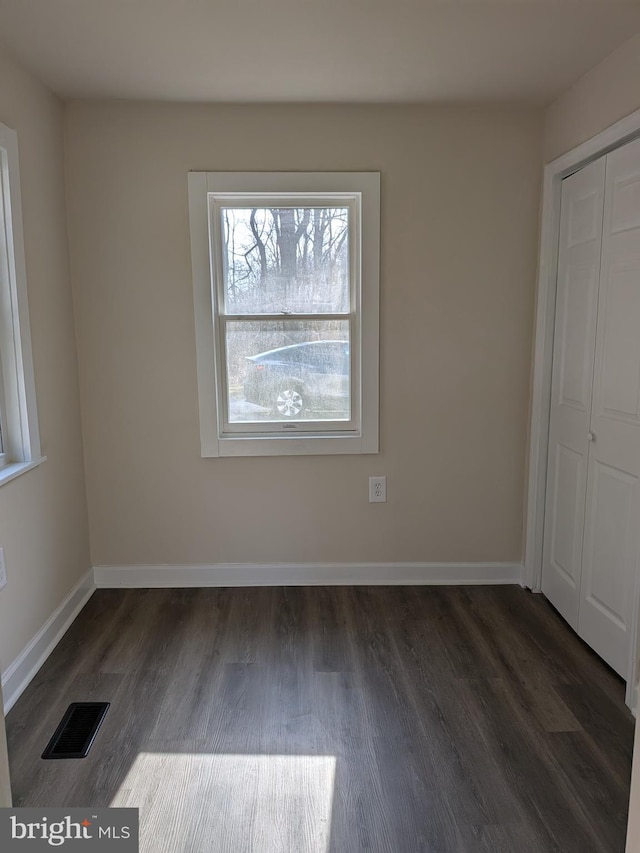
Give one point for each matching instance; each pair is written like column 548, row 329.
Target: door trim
column 622, row 131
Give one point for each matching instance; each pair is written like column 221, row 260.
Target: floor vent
column 77, row 730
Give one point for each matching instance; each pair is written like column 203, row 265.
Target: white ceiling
column 314, row 50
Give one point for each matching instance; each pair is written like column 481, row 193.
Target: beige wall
column 459, row 221
column 605, row 94
column 43, row 523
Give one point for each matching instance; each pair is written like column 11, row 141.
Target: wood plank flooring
column 331, row 720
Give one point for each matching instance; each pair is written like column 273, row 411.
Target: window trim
column 17, row 385
column 365, row 186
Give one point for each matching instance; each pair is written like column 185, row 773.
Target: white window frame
column 360, row 191
column 18, row 412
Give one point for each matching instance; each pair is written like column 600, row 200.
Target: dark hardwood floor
column 330, row 720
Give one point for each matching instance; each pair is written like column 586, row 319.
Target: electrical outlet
column 377, row 490
column 3, row 570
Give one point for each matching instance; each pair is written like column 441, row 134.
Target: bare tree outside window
column 286, row 260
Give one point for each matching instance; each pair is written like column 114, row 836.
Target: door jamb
column 613, row 137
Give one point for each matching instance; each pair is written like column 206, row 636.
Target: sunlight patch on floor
column 204, row 801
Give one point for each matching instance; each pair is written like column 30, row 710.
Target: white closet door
column 611, row 553
column 573, row 359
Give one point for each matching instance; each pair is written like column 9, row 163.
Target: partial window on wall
column 285, row 270
column 19, row 437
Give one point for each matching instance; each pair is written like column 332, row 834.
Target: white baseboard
column 306, row 574
column 19, row 673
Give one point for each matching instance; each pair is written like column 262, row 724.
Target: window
column 285, row 270
column 19, row 438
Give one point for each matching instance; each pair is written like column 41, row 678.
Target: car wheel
column 289, row 401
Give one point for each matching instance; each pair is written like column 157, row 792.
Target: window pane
column 285, row 260
column 289, row 370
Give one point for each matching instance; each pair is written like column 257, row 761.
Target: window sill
column 287, row 446
column 15, row 469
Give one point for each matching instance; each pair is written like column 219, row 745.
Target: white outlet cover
column 377, row 489
column 3, row 570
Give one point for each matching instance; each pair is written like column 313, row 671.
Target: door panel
column 611, row 559
column 568, row 486
column 576, row 345
column 609, row 539
column 574, row 348
column 620, row 391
